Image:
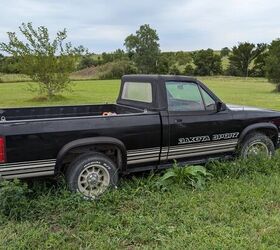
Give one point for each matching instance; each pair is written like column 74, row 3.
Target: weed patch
column 190, row 176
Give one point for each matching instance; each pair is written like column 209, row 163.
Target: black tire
column 254, row 140
column 91, row 175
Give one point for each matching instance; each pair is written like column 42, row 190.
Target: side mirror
column 221, row 106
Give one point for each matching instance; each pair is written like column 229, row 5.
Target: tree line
column 50, row 62
column 142, row 52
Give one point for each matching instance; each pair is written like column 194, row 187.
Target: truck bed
column 15, row 114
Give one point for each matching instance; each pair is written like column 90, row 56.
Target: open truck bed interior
column 13, row 114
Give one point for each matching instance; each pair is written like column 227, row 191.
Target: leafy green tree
column 258, row 69
column 182, row 58
column 107, row 57
column 117, row 55
column 87, row 61
column 170, row 56
column 48, row 62
column 9, row 65
column 225, row 52
column 207, row 63
column 189, row 70
column 272, row 63
column 243, row 55
column 2, row 60
column 163, row 64
column 174, row 70
column 143, row 48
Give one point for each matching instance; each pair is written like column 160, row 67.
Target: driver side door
column 195, row 127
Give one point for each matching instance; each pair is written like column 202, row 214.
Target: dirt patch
column 87, row 73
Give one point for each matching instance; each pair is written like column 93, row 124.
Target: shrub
column 116, row 70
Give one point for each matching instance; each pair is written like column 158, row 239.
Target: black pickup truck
column 156, row 120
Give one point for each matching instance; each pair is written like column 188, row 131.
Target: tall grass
column 40, row 198
column 238, row 208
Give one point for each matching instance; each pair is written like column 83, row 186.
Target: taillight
column 2, row 150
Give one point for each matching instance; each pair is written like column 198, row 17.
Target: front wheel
column 257, row 144
column 91, row 175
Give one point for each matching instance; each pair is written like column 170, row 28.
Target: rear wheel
column 91, row 175
column 257, row 144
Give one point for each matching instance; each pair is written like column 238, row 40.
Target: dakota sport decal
column 207, row 138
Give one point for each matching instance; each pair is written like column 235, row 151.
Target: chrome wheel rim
column 93, row 180
column 257, row 148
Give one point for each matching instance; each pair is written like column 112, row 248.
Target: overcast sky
column 181, row 24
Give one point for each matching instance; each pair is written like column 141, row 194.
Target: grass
column 84, row 92
column 235, row 211
column 238, row 209
column 253, row 91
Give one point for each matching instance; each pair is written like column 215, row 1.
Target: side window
column 184, row 96
column 210, row 104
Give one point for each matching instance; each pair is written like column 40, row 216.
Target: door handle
column 178, row 120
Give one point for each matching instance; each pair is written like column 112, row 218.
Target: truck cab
column 196, row 124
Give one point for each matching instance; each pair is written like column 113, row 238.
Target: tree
column 47, row 62
column 182, row 58
column 9, row 65
column 143, row 48
column 258, row 69
column 174, row 70
column 243, row 55
column 170, row 56
column 225, row 52
column 87, row 61
column 163, row 64
column 189, row 70
column 2, row 61
column 207, row 63
column 117, row 55
column 272, row 63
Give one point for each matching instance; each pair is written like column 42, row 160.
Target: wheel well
column 112, row 151
column 269, row 132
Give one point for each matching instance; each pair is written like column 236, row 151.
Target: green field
column 238, row 209
column 253, row 91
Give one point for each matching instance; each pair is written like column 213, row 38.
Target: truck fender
column 259, row 126
column 86, row 142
